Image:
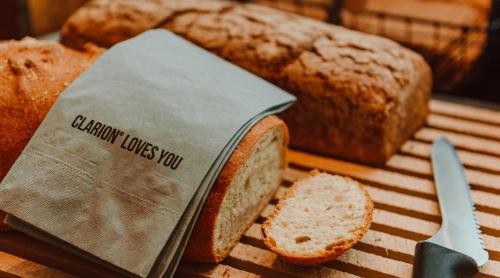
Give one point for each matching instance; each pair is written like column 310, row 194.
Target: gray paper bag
column 119, row 167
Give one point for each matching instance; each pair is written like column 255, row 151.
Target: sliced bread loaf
column 244, row 187
column 36, row 72
column 318, row 219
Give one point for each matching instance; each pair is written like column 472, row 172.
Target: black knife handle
column 432, row 260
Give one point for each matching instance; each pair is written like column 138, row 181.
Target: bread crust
column 32, row 75
column 359, row 96
column 327, row 255
column 201, row 245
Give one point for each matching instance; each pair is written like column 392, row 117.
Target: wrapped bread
column 359, row 96
column 34, row 73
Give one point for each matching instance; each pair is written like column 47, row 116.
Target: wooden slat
column 406, row 224
column 412, row 165
column 405, row 204
column 386, row 179
column 212, row 271
column 12, row 266
column 401, row 248
column 465, row 111
column 464, row 126
column 357, row 261
column 267, row 264
column 462, row 141
column 372, row 240
column 409, row 226
column 43, row 253
column 491, row 268
column 366, row 173
column 469, row 159
column 418, row 229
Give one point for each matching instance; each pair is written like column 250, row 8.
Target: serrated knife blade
column 456, row 250
column 459, row 229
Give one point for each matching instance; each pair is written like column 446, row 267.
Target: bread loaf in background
column 450, row 37
column 359, row 96
column 34, row 73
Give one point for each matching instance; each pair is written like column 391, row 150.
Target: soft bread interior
column 251, row 189
column 321, row 213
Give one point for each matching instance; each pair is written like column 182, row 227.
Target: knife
column 456, row 250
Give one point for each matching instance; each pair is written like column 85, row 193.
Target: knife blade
column 456, row 250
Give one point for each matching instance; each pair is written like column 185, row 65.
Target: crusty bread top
column 313, row 56
column 359, row 96
column 318, row 219
column 114, row 21
column 32, row 74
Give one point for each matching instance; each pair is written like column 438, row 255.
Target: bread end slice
column 318, row 219
column 245, row 186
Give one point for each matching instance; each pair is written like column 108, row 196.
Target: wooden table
column 406, row 210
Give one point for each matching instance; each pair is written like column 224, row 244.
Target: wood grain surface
column 406, row 210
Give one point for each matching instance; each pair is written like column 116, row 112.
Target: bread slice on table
column 245, row 186
column 318, row 219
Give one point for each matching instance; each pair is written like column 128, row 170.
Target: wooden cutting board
column 406, row 210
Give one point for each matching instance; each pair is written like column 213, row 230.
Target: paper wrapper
column 121, row 164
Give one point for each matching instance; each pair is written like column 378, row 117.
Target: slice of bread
column 245, row 186
column 318, row 219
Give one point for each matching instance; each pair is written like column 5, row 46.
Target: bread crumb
column 314, row 172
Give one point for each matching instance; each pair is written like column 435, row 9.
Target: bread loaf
column 446, row 37
column 318, row 219
column 34, row 73
column 359, row 96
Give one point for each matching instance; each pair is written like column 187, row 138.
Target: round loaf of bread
column 32, row 75
column 318, row 219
